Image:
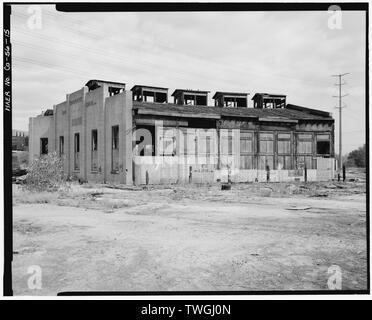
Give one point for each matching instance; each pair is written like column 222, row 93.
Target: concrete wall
column 61, row 117
column 81, row 113
column 40, row 127
column 118, row 112
column 159, row 170
column 76, row 105
column 167, row 170
column 95, row 120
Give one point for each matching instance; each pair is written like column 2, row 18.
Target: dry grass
column 27, row 197
column 103, row 197
column 73, row 195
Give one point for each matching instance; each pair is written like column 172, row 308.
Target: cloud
column 294, row 53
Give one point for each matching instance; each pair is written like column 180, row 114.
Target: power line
column 243, row 69
column 108, row 57
column 340, row 106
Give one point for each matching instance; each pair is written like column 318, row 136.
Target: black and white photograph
column 188, row 148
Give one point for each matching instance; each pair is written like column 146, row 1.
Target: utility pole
column 340, row 96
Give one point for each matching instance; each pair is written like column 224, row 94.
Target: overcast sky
column 292, row 53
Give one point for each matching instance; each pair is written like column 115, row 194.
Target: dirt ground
column 279, row 236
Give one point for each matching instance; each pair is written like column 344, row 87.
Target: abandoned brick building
column 106, row 133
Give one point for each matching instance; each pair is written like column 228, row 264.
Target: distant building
column 19, row 140
column 106, row 133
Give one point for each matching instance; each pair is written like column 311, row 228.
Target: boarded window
column 284, row 146
column 246, row 142
column 246, row 146
column 284, row 143
column 196, row 140
column 309, row 163
column 226, row 146
column 284, row 159
column 266, row 143
column 183, row 140
column 305, row 160
column 305, row 136
column 185, row 145
column 226, row 149
column 190, row 142
column 43, row 145
column 266, row 136
column 208, row 146
column 246, row 150
column 61, row 146
column 322, row 137
column 202, row 145
column 323, row 144
column 265, row 162
column 246, row 162
column 304, row 144
column 285, row 163
column 115, row 149
column 266, row 147
column 94, row 151
column 169, row 144
column 208, row 149
column 230, row 142
column 77, row 151
column 284, row 136
column 304, row 147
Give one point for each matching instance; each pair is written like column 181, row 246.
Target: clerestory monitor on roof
column 231, row 99
column 190, row 97
column 269, row 101
column 111, row 86
column 150, row 94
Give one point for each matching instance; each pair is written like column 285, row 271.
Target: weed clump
column 45, row 174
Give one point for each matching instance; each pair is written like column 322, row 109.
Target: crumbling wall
column 40, row 127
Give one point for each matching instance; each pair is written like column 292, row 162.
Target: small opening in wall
column 44, row 145
column 61, row 145
column 323, row 147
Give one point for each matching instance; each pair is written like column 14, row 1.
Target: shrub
column 45, row 174
column 357, row 158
